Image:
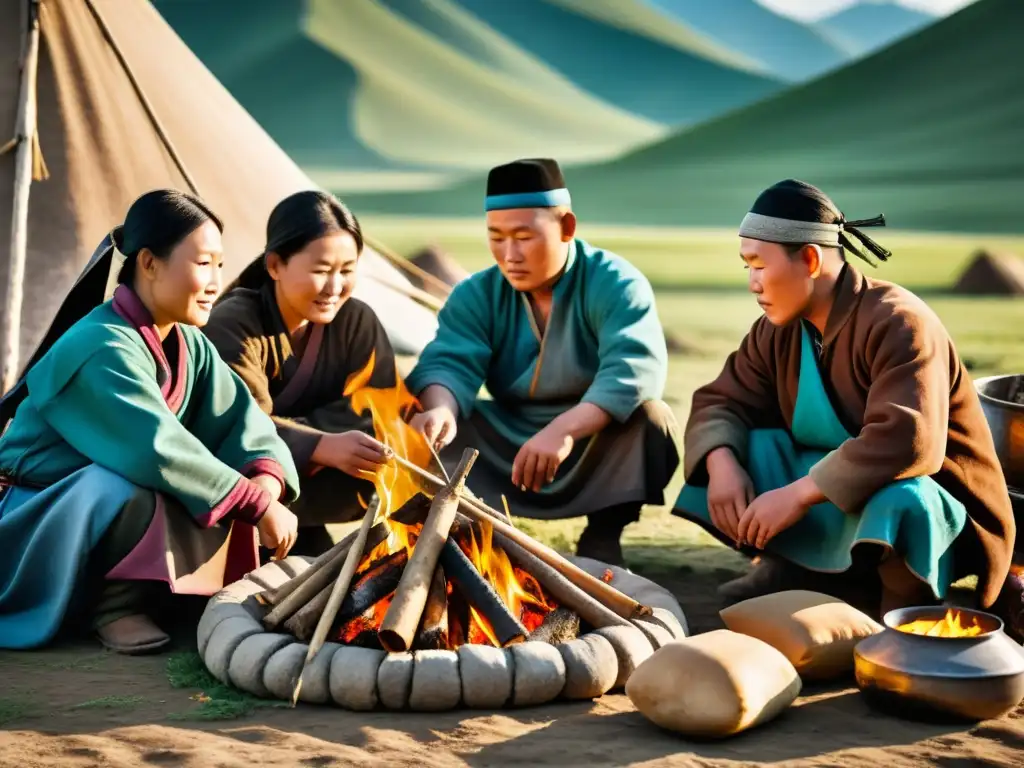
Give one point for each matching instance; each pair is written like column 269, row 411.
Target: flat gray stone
column 282, row 669
column 669, row 621
column 353, row 677
column 212, row 616
column 642, row 590
column 631, row 649
column 269, row 576
column 538, row 673
column 591, row 667
column 237, row 592
column 486, row 674
column 249, row 661
column 653, row 631
column 228, row 635
column 394, row 680
column 436, row 685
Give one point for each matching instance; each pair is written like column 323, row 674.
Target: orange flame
column 949, row 625
column 493, row 564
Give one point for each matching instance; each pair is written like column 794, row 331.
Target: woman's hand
column 438, row 426
column 355, row 453
column 278, row 529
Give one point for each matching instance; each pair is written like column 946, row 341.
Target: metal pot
column 960, row 678
column 1006, row 420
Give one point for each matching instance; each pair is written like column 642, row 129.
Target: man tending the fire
column 844, row 435
column 567, row 339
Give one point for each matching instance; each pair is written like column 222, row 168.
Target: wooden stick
column 398, row 630
column 624, row 606
column 374, row 584
column 355, row 554
column 433, row 631
column 275, row 596
column 308, row 589
column 568, row 594
column 479, row 593
column 24, row 134
column 404, row 263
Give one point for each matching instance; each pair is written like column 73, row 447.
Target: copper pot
column 970, row 678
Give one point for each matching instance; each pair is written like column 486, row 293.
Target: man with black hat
column 567, row 340
column 843, row 441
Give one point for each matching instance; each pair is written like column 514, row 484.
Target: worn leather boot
column 601, row 539
column 771, row 574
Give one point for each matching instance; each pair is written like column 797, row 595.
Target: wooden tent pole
column 24, row 134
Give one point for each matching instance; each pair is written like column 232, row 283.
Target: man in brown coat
column 843, row 440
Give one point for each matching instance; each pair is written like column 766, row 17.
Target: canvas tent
column 105, row 140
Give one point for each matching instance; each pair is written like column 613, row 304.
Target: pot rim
column 898, row 616
column 978, row 383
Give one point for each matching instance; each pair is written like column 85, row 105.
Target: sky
column 814, row 9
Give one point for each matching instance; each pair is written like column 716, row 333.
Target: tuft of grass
column 109, row 702
column 15, row 709
column 217, row 701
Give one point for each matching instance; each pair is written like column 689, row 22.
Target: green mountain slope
column 926, row 131
column 628, row 54
column 868, row 26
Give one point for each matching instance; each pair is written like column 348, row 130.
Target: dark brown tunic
column 896, row 381
column 301, row 384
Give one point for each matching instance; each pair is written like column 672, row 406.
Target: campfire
column 432, row 568
column 952, row 624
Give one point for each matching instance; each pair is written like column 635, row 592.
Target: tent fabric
column 103, row 150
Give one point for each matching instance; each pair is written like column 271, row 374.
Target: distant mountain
column 784, row 46
column 926, row 131
column 627, row 55
column 408, row 94
column 869, row 25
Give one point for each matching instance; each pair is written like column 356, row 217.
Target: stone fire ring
column 238, row 651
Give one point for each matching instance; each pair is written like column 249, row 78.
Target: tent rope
column 421, row 296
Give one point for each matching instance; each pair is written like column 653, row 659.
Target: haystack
column 441, row 265
column 992, row 274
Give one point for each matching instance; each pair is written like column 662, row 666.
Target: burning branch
column 403, row 617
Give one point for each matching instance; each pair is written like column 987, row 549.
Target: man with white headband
column 843, row 441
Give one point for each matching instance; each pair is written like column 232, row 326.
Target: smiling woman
column 135, row 457
column 291, row 329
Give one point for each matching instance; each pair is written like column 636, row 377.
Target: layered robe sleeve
column 742, row 397
column 459, row 356
column 630, row 342
column 906, row 417
column 226, row 418
column 107, row 406
column 238, row 339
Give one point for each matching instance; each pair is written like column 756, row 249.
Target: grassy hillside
column 866, row 27
column 669, row 80
column 926, row 131
column 783, row 46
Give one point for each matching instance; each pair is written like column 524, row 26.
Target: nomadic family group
column 160, row 435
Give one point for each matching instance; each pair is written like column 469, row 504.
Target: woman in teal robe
column 843, row 441
column 135, row 456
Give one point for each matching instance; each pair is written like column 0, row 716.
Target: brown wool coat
column 898, row 384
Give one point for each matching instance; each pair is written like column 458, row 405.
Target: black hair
column 800, row 201
column 296, row 222
column 158, row 221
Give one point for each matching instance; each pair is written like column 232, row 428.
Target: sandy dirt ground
column 75, row 705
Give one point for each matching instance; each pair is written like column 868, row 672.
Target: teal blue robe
column 112, row 412
column 915, row 518
column 603, row 344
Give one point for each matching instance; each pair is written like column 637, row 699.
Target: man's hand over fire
column 436, row 425
column 540, row 457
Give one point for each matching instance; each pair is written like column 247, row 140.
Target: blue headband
column 547, row 199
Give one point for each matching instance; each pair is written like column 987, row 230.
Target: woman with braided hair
column 291, row 330
column 843, row 441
